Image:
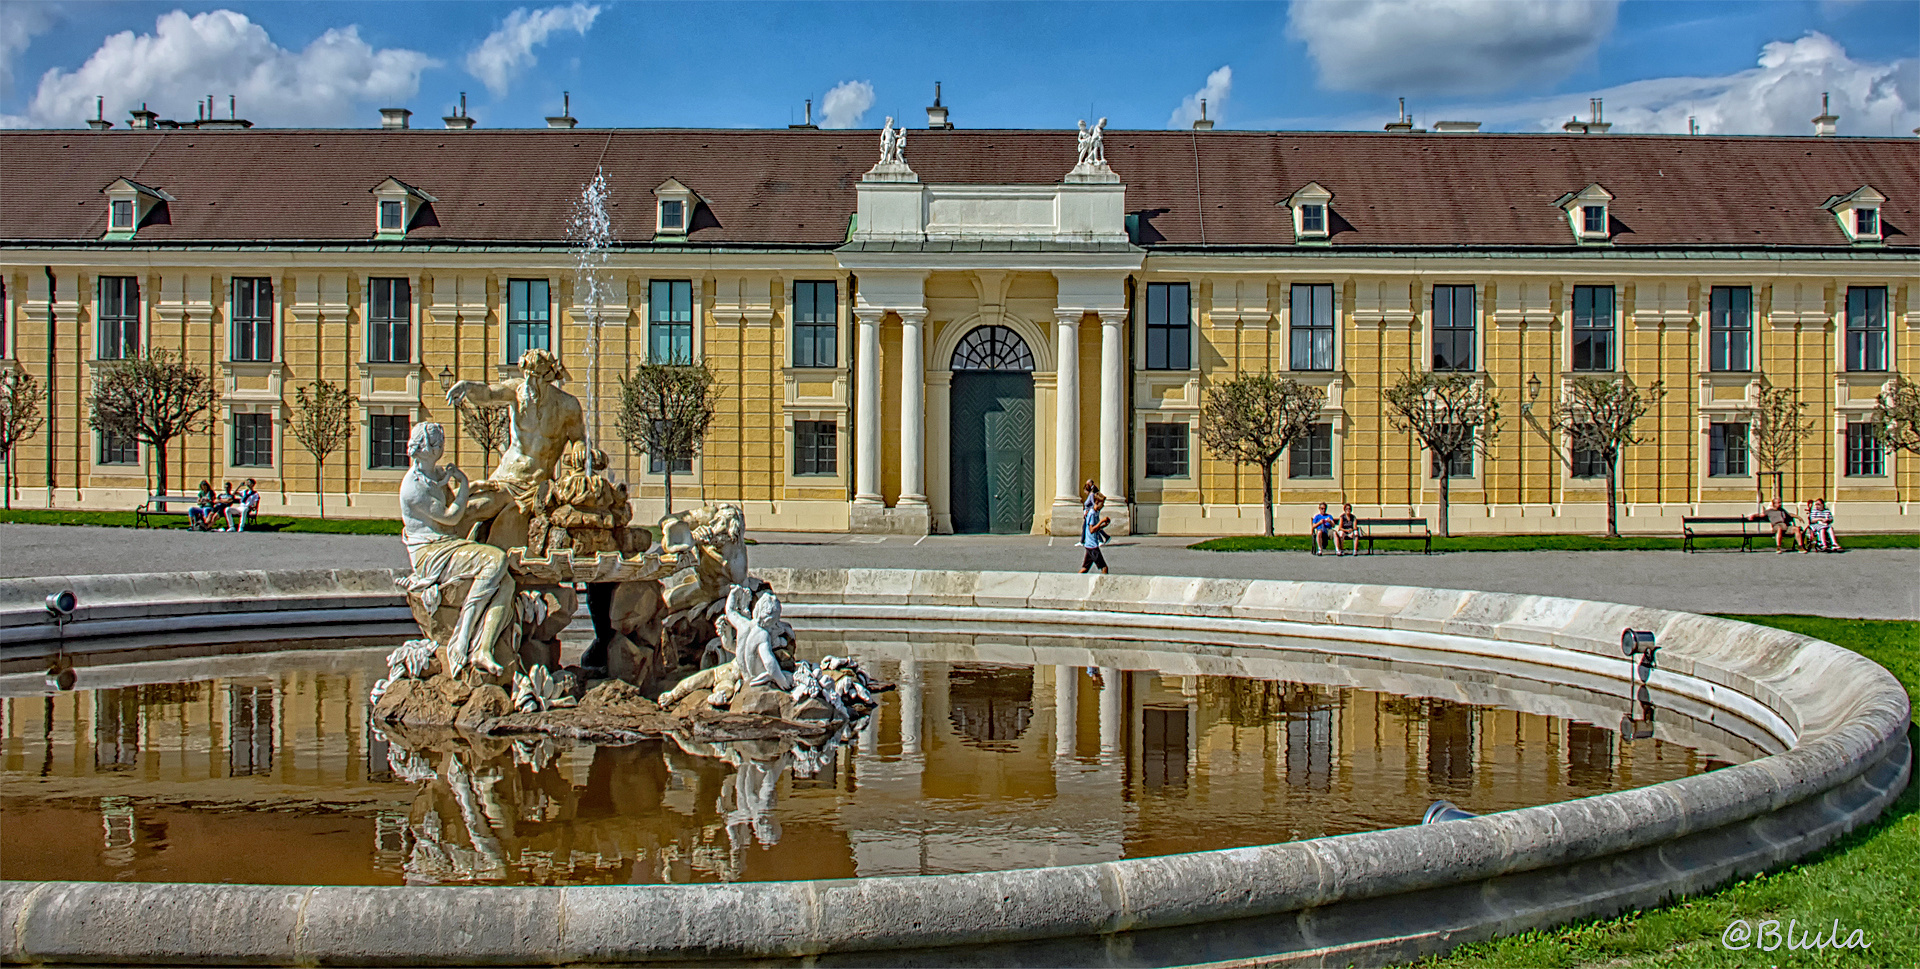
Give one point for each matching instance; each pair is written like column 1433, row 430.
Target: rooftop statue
column 893, row 144
column 1092, row 145
column 543, row 420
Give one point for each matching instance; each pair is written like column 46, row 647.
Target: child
column 1093, row 534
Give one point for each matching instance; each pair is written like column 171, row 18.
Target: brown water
column 264, row 769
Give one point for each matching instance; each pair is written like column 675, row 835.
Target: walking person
column 1093, row 533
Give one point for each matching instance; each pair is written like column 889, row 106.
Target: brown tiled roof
column 796, row 187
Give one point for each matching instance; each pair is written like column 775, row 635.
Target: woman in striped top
column 1820, row 523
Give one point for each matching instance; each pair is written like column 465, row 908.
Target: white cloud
column 1219, row 85
column 19, row 24
column 1780, row 96
column 220, row 53
column 1427, row 47
column 845, row 104
column 509, row 50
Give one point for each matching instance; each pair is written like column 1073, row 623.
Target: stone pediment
column 1067, row 212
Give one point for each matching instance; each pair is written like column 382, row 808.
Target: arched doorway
column 991, row 472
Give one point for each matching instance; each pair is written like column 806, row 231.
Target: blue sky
column 1512, row 64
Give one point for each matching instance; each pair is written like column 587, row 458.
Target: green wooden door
column 992, row 440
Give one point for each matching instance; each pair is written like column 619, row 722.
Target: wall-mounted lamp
column 445, row 376
column 1533, row 387
column 61, row 605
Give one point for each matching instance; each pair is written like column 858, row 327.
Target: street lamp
column 1533, row 387
column 445, row 377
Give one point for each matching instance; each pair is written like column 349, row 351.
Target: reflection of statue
column 432, row 505
column 543, row 419
column 893, row 144
column 1092, row 145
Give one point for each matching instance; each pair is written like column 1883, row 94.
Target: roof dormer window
column 1310, row 213
column 1858, row 213
column 674, row 212
column 130, row 205
column 397, row 208
column 1587, row 213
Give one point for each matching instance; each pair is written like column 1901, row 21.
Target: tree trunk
column 1613, row 473
column 160, row 452
column 1446, row 482
column 669, row 466
column 1266, row 494
column 320, row 484
column 9, row 480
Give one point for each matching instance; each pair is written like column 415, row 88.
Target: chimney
column 458, row 120
column 936, row 114
column 1593, row 125
column 1828, row 124
column 99, row 120
column 143, row 119
column 394, row 119
column 566, row 118
column 1456, row 127
column 1201, row 123
column 1405, row 124
column 808, row 124
column 1693, row 127
column 232, row 121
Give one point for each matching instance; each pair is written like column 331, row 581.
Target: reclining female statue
column 432, row 505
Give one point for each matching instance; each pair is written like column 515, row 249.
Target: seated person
column 1783, row 525
column 1820, row 526
column 200, row 516
column 1346, row 529
column 245, row 505
column 1322, row 525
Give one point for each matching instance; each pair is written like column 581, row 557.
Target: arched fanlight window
column 992, row 348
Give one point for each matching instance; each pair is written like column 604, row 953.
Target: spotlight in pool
column 60, row 605
column 1445, row 810
column 1637, row 642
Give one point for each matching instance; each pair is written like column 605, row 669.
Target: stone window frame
column 507, row 322
column 411, row 200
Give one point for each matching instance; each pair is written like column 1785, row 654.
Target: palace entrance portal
column 992, row 433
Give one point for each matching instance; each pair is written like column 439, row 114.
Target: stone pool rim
column 1843, row 721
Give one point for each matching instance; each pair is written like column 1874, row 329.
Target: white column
column 866, row 414
column 1066, row 411
column 1113, row 712
column 1113, row 375
column 912, row 701
column 913, row 410
column 1066, row 710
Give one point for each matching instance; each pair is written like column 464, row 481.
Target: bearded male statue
column 543, row 420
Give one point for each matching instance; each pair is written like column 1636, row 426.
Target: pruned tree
column 1779, row 425
column 1253, row 418
column 1896, row 413
column 322, row 420
column 485, row 426
column 152, row 398
column 1451, row 414
column 664, row 411
column 1599, row 415
column 21, row 397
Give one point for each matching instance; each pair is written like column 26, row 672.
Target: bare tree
column 1254, row 417
column 1897, row 415
column 1452, row 415
column 485, row 426
column 20, row 417
column 152, row 398
column 665, row 410
column 1779, row 425
column 1598, row 415
column 322, row 420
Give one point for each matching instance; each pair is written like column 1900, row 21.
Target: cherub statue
column 1092, row 145
column 753, row 639
column 432, row 507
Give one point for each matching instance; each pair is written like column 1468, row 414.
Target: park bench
column 1424, row 536
column 1743, row 527
column 162, row 505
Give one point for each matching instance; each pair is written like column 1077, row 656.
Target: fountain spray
column 592, row 232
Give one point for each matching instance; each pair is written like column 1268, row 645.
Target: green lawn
column 1535, row 543
column 265, row 523
column 1869, row 880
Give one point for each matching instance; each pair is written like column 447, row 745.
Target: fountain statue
column 495, row 567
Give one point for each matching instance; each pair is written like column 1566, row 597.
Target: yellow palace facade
column 956, row 336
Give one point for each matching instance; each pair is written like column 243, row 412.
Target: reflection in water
column 276, row 776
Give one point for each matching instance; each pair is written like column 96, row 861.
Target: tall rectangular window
column 388, row 446
column 1312, row 327
column 1311, row 454
column 1460, row 465
column 815, row 447
column 1589, row 463
column 1593, row 328
column 118, row 449
column 253, row 440
column 1726, row 450
column 119, row 317
column 1453, row 328
column 1730, row 329
column 656, row 464
column 1167, row 450
column 670, row 321
column 816, row 324
column 1169, row 326
column 1866, row 328
column 252, row 323
column 390, row 321
column 1866, row 458
column 529, row 313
